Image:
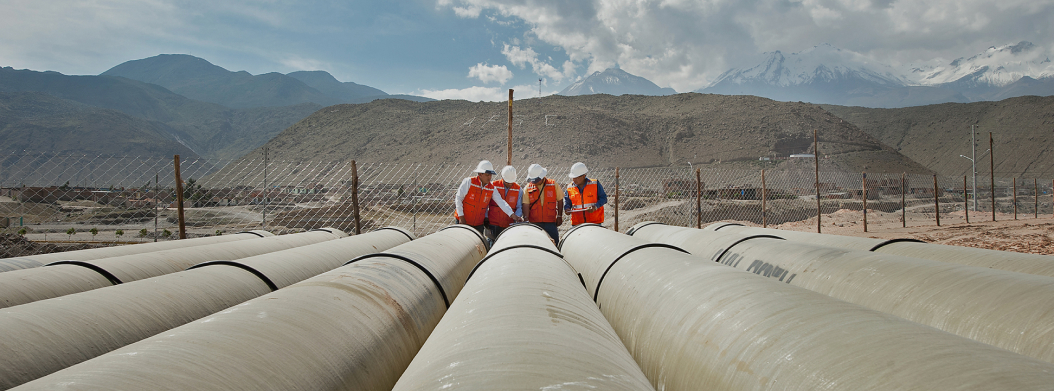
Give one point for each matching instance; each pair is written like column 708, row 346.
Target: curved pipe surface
column 353, row 328
column 700, row 326
column 31, row 261
column 531, row 327
column 47, row 335
column 29, row 285
column 1014, row 311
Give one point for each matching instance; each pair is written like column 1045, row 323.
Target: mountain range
column 615, row 81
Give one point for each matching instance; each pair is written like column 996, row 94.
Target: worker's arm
column 567, row 201
column 602, row 197
column 519, row 205
column 459, row 198
column 496, row 197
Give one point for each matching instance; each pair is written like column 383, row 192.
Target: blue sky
column 478, row 49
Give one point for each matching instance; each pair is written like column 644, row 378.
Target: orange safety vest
column 585, row 199
column 511, row 194
column 476, row 202
column 542, row 212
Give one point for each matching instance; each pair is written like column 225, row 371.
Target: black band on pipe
column 637, row 228
column 410, row 261
column 725, row 251
column 113, row 279
column 880, row 245
column 536, row 247
column 322, row 230
column 643, row 246
column 568, row 233
column 728, row 225
column 468, row 227
column 251, row 232
column 399, row 230
column 513, row 225
column 242, row 266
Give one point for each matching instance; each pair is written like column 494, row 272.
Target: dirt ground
column 1027, row 234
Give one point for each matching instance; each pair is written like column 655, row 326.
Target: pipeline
column 699, row 326
column 1013, row 311
column 31, row 261
column 47, row 335
column 1042, row 265
column 68, row 277
column 353, row 328
column 523, row 322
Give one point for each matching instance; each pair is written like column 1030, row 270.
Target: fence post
column 816, row 159
column 864, row 197
column 764, row 197
column 1035, row 194
column 903, row 204
column 936, row 201
column 157, row 193
column 616, row 197
column 966, row 201
column 179, row 201
column 991, row 162
column 1015, row 198
column 355, row 196
column 267, row 194
column 413, row 198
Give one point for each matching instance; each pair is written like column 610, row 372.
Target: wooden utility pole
column 1015, row 198
column 355, row 196
column 816, row 158
column 936, row 201
column 179, row 201
column 863, row 194
column 508, row 161
column 1035, row 192
column 991, row 162
column 764, row 209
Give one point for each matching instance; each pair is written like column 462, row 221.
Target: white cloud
column 489, row 73
column 521, row 57
column 685, row 44
column 483, row 94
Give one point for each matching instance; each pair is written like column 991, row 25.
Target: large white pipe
column 65, row 277
column 523, row 322
column 31, row 261
column 1013, row 311
column 354, row 328
column 47, row 335
column 1042, row 265
column 695, row 325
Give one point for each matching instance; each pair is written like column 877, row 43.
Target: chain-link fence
column 115, row 199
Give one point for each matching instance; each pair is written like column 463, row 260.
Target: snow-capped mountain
column 615, row 81
column 825, row 74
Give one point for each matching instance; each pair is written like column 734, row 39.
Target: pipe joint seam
column 435, row 280
column 901, row 240
column 514, row 225
column 479, row 235
column 628, row 252
column 261, row 276
column 568, row 233
column 399, row 230
column 725, row 251
column 109, row 276
column 532, row 246
column 637, row 228
column 727, row 225
column 251, row 232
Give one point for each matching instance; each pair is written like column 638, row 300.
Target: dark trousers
column 550, row 228
column 496, row 230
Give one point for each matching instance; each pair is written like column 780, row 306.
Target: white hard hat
column 536, row 171
column 508, row 174
column 484, row 167
column 578, row 169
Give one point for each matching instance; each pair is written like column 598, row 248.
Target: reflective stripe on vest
column 585, row 199
column 511, row 195
column 540, row 212
column 476, row 201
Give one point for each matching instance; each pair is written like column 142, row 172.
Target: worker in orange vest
column 544, row 201
column 510, row 192
column 585, row 197
column 472, row 200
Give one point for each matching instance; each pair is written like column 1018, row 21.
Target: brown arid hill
column 601, row 130
column 936, row 135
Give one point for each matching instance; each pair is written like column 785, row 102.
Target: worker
column 511, row 193
column 544, row 201
column 473, row 200
column 585, row 197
